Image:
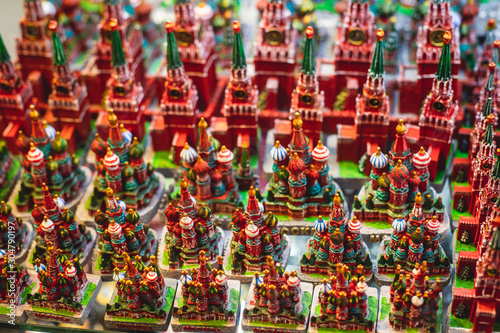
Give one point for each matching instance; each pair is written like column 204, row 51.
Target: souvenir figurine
column 411, row 303
column 334, row 242
column 206, row 300
column 188, row 231
column 256, row 241
column 344, row 302
column 121, row 166
column 15, row 235
column 64, row 293
column 278, row 301
column 56, row 224
column 120, row 231
column 142, row 299
column 15, row 284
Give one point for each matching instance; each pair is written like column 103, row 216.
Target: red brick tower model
column 353, row 48
column 132, row 44
column 437, row 120
column 240, row 101
column 196, row 47
column 307, row 100
column 489, row 194
column 15, row 99
column 125, row 94
column 274, row 51
column 34, row 49
column 179, row 104
column 68, row 101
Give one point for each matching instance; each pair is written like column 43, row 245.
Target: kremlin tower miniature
column 142, row 299
column 254, row 240
column 188, row 232
column 206, row 300
column 275, row 299
column 23, row 233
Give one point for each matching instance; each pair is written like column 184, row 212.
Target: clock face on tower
column 438, row 106
column 356, row 36
column 486, row 165
column 239, row 94
column 436, row 37
column 174, row 93
column 307, row 99
column 273, row 37
column 32, row 32
column 183, row 37
column 374, row 103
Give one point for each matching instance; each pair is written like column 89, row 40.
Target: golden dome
column 297, row 122
column 112, row 118
column 401, row 129
column 109, row 192
column 33, row 113
column 202, row 124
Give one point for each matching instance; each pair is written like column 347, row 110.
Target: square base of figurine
column 12, row 177
column 248, row 276
column 70, row 205
column 96, row 258
column 385, row 309
column 141, row 323
column 371, row 293
column 318, row 278
column 386, row 279
column 86, row 254
column 201, row 326
column 17, row 314
column 61, row 316
column 28, row 239
column 176, row 273
column 146, row 213
column 380, row 229
column 260, row 326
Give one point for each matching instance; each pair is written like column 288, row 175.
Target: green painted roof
column 173, row 56
column 377, row 67
column 495, row 239
column 309, row 60
column 4, row 55
column 444, row 67
column 118, row 57
column 487, row 108
column 59, row 54
column 239, row 61
column 488, row 135
column 495, row 173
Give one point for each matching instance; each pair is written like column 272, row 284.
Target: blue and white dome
column 127, row 135
column 118, row 276
column 378, row 159
column 50, row 131
column 258, row 280
column 399, row 224
column 185, row 279
column 2, row 253
column 40, row 268
column 325, row 288
column 278, row 152
column 59, row 202
column 123, row 205
column 188, row 154
column 320, row 225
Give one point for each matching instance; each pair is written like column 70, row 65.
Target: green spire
column 4, row 55
column 377, row 67
column 239, row 61
column 173, row 57
column 444, row 67
column 309, row 60
column 490, row 82
column 490, row 32
column 487, row 108
column 117, row 54
column 495, row 174
column 495, row 58
column 59, row 54
column 488, row 134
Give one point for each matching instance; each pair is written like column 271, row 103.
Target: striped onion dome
column 225, row 156
column 251, row 230
column 122, row 204
column 433, row 224
column 111, row 160
column 337, row 237
column 59, row 201
column 201, row 166
column 215, row 143
column 421, row 159
column 204, row 212
column 47, row 225
column 417, row 237
column 40, row 267
column 203, row 11
column 378, row 159
column 258, row 280
column 127, row 135
column 320, row 153
column 189, row 154
column 152, row 276
column 279, row 269
column 271, row 220
column 278, row 152
column 185, row 279
column 118, row 276
column 324, row 244
column 261, row 206
column 354, row 225
column 186, row 222
column 221, row 279
column 400, row 172
column 383, row 181
column 399, row 224
column 417, row 300
column 325, row 288
column 35, row 155
column 320, row 225
column 361, row 287
column 5, row 209
column 115, row 229
column 293, row 280
column 70, row 271
column 2, row 253
column 296, row 165
column 50, row 131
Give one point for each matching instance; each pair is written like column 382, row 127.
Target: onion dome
column 313, row 173
column 52, row 165
column 49, row 130
column 117, row 275
column 271, row 220
column 283, row 174
column 238, row 218
column 320, row 224
column 266, row 238
column 186, row 222
column 129, row 234
column 67, row 216
column 400, row 172
column 136, row 149
column 5, row 209
column 378, row 160
column 217, row 176
column 325, row 287
column 354, row 226
column 221, row 279
column 37, row 214
column 417, row 237
column 127, row 135
column 257, row 280
column 171, row 213
column 60, row 145
column 403, row 243
column 111, row 160
column 362, row 286
column 225, row 156
column 324, row 243
column 132, row 217
column 191, row 175
column 215, row 143
column 47, row 225
column 417, row 300
column 3, row 226
column 204, row 212
column 100, row 217
column 59, row 201
column 200, row 229
column 320, row 153
column 114, row 228
column 383, row 181
column 201, row 166
column 189, row 154
column 151, row 276
column 470, row 10
column 421, row 159
column 22, row 142
column 35, row 155
column 349, row 243
column 122, row 204
column 414, row 181
column 337, row 238
column 251, row 230
column 433, row 224
column 99, row 146
column 293, row 280
column 128, row 171
column 185, row 278
column 278, row 152
column 399, row 224
column 70, row 271
column 40, row 267
column 296, row 165
column 203, row 11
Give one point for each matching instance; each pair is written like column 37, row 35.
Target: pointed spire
column 118, row 57
column 487, row 108
column 4, row 55
column 173, row 57
column 488, row 134
column 377, row 67
column 444, row 67
column 239, row 61
column 490, row 82
column 309, row 60
column 59, row 54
